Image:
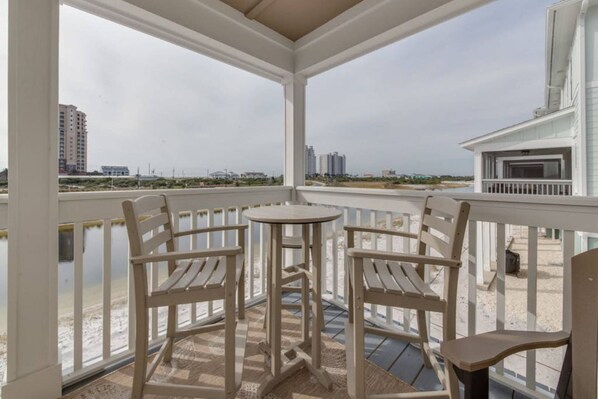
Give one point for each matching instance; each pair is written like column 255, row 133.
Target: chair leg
column 449, row 333
column 422, row 326
column 141, row 347
column 229, row 336
column 170, row 330
column 355, row 335
column 305, row 309
column 350, row 299
column 241, row 295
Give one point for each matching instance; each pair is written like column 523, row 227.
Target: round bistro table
column 295, row 357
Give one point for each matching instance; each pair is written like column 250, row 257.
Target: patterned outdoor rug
column 199, row 360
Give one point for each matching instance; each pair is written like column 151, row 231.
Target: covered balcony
column 96, row 338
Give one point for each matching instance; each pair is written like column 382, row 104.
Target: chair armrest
column 211, row 229
column 179, row 255
column 353, row 229
column 408, row 258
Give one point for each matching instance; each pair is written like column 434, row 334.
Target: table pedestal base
column 296, row 358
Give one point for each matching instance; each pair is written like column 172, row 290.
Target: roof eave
column 472, row 143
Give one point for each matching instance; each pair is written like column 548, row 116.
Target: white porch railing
column 572, row 215
column 96, row 321
column 112, row 320
column 527, row 186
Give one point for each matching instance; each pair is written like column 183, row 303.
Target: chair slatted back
column 145, row 215
column 442, row 227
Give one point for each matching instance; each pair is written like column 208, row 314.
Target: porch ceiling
column 279, row 38
column 291, row 18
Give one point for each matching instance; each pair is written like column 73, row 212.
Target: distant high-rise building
column 333, row 164
column 310, row 161
column 389, row 173
column 72, row 149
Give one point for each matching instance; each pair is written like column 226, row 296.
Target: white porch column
column 294, row 146
column 294, row 138
column 478, row 171
column 33, row 370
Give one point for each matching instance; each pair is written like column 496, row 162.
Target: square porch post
column 294, row 138
column 294, row 145
column 33, row 370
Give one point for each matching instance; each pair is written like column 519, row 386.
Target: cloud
column 406, row 106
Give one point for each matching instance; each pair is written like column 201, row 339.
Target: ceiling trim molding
column 350, row 35
column 221, row 35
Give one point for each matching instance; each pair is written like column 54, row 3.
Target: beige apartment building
column 72, row 149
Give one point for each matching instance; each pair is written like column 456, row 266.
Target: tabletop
column 292, row 214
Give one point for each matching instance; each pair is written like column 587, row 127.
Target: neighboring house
column 419, row 176
column 115, row 171
column 4, row 176
column 224, row 175
column 556, row 152
column 253, row 175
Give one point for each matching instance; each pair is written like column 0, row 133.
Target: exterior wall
column 548, row 134
column 591, row 33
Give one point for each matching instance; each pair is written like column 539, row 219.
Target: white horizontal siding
column 592, row 140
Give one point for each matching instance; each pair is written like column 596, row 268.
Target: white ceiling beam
column 258, row 8
column 209, row 27
column 368, row 26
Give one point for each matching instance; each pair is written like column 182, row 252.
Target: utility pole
column 173, row 173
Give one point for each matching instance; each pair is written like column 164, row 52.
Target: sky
column 153, row 105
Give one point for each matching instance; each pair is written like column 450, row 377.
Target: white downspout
column 582, row 100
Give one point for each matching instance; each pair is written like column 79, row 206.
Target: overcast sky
column 404, row 107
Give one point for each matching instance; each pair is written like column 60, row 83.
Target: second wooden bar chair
column 193, row 276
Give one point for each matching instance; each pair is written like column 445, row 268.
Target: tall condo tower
column 333, row 164
column 72, row 151
column 310, row 161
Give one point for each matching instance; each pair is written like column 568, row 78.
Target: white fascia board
column 208, row 27
column 473, row 143
column 368, row 26
column 561, row 22
column 527, row 145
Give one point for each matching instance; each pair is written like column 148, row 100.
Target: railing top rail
column 564, row 212
column 97, row 205
column 173, row 193
column 124, row 194
column 539, row 181
column 459, row 195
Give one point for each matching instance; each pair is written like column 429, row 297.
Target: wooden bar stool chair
column 397, row 279
column 193, row 276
